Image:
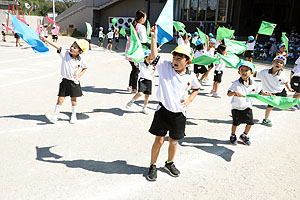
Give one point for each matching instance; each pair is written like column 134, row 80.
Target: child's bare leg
column 146, row 100
column 74, row 101
column 233, row 129
column 268, row 111
column 216, row 84
column 60, row 101
column 173, row 144
column 159, row 141
column 297, row 95
column 247, row 129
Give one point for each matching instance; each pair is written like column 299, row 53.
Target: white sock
column 56, row 111
column 74, row 111
column 145, row 105
column 132, row 100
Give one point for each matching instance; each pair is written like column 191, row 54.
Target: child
column 249, row 53
column 180, row 40
column 295, row 82
column 145, row 81
column 54, row 34
column 262, row 55
column 110, row 36
column 210, row 51
column 174, row 82
column 218, row 72
column 194, row 39
column 45, row 30
column 18, row 43
column 282, row 50
column 188, row 37
column 117, row 35
column 72, row 68
column 199, row 51
column 241, row 106
column 3, row 32
column 273, row 81
column 89, row 39
column 101, row 36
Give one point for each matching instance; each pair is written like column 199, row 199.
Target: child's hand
column 236, row 93
column 42, row 38
column 154, row 31
column 186, row 102
column 290, row 90
column 76, row 76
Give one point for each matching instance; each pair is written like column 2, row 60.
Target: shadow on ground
column 104, row 90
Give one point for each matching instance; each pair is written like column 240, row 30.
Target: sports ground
column 107, row 153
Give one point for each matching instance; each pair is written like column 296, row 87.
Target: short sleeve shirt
column 250, row 45
column 71, row 66
column 146, row 71
column 142, row 32
column 242, row 103
column 100, row 34
column 173, row 87
column 110, row 35
column 271, row 83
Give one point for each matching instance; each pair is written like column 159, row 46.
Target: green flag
column 231, row 60
column 202, row 36
column 234, row 46
column 285, row 40
column 135, row 49
column 205, row 60
column 89, row 28
column 148, row 28
column 277, row 101
column 114, row 21
column 179, row 26
column 123, row 32
column 223, row 32
column 266, row 28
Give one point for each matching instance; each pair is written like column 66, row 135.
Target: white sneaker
column 129, row 89
column 216, row 95
column 129, row 104
column 145, row 111
column 212, row 92
column 52, row 119
column 73, row 120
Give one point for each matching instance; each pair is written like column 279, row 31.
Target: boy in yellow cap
column 72, row 68
column 175, row 80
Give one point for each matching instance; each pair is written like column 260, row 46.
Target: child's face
column 143, row 19
column 75, row 50
column 148, row 59
column 245, row 72
column 180, row 61
column 282, row 49
column 212, row 44
column 278, row 64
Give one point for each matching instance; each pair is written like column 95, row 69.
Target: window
column 222, row 10
column 202, row 10
column 211, row 10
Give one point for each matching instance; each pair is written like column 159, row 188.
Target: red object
column 50, row 20
column 22, row 20
column 188, row 83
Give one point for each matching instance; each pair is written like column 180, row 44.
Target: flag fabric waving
column 277, row 101
column 285, row 40
column 266, row 28
column 231, row 60
column 114, row 21
column 135, row 50
column 28, row 35
column 223, row 32
column 148, row 28
column 123, row 32
column 205, row 60
column 179, row 26
column 234, row 46
column 165, row 24
column 56, row 30
column 89, row 28
column 50, row 20
column 202, row 35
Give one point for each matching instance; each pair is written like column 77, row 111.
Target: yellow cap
column 83, row 44
column 183, row 49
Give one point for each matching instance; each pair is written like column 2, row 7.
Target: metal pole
column 53, row 10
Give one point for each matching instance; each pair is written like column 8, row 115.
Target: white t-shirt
column 180, row 41
column 45, row 31
column 3, row 28
column 210, row 53
column 296, row 69
column 110, row 35
column 100, row 34
column 142, row 32
column 71, row 66
column 250, row 45
column 173, row 87
column 270, row 83
column 242, row 103
column 116, row 35
column 221, row 66
column 198, row 53
column 146, row 71
column 88, row 36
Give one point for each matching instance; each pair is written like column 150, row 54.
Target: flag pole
column 53, row 10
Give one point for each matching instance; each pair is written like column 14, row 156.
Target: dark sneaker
column 267, row 122
column 170, row 167
column 245, row 139
column 233, row 140
column 152, row 173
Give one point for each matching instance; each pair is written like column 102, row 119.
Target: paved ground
column 106, row 154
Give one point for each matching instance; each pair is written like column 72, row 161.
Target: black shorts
column 54, row 37
column 145, row 86
column 242, row 116
column 117, row 39
column 165, row 120
column 89, row 41
column 3, row 33
column 69, row 88
column 199, row 69
column 109, row 41
column 218, row 76
column 249, row 54
column 280, row 94
column 100, row 39
column 46, row 36
column 295, row 83
column 17, row 36
column 211, row 66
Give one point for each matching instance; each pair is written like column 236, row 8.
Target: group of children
column 113, row 33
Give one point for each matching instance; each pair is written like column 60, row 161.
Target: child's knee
column 172, row 141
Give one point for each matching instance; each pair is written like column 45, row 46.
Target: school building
column 244, row 16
